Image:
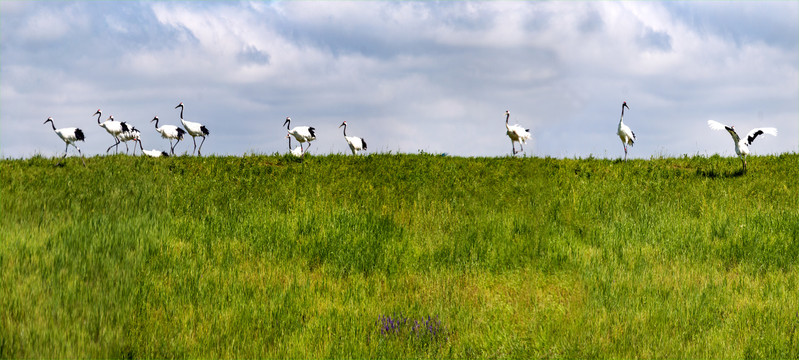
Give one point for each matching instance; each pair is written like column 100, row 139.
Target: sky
column 406, row 76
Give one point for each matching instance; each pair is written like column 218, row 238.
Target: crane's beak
column 625, row 105
column 179, row 105
column 286, row 122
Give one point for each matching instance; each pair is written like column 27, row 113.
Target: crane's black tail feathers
column 204, row 130
column 79, row 135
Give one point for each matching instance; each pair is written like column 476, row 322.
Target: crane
column 194, row 129
column 516, row 133
column 356, row 144
column 301, row 133
column 626, row 134
column 131, row 134
column 170, row 132
column 113, row 127
column 742, row 145
column 151, row 153
column 69, row 135
column 297, row 151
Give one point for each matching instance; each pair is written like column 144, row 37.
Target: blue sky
column 406, row 76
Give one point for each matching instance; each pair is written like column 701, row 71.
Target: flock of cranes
column 122, row 133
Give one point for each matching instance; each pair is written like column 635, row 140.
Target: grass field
column 399, row 256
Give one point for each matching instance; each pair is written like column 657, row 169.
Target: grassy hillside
column 397, row 256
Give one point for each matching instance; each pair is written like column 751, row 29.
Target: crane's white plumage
column 742, row 145
column 151, row 153
column 301, row 133
column 626, row 134
column 516, row 133
column 194, row 129
column 297, row 151
column 69, row 135
column 170, row 132
column 132, row 134
column 356, row 144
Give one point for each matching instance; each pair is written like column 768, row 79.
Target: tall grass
column 270, row 256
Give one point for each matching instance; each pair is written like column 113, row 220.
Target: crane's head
column 343, row 124
column 111, row 118
column 50, row 119
column 624, row 105
column 154, row 119
column 179, row 105
column 98, row 112
column 287, row 122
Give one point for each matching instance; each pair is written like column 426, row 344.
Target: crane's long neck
column 181, row 113
column 52, row 124
column 99, row 114
column 621, row 120
column 156, row 123
column 507, row 118
column 288, row 124
column 345, row 129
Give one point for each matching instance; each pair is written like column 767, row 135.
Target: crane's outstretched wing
column 715, row 125
column 750, row 137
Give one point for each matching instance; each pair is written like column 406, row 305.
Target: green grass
column 269, row 256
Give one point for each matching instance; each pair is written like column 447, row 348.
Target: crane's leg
column 201, row 147
column 127, row 148
column 81, row 155
column 625, row 151
column 195, row 145
column 521, row 148
column 66, row 148
column 513, row 144
column 308, row 148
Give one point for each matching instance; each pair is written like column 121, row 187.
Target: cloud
column 405, row 75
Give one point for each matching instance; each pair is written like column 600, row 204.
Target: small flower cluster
column 401, row 326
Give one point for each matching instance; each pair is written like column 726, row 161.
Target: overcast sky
column 406, row 76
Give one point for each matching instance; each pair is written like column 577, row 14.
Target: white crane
column 131, row 134
column 152, row 153
column 356, row 144
column 169, row 132
column 301, row 133
column 113, row 127
column 297, row 151
column 194, row 129
column 742, row 145
column 70, row 135
column 516, row 133
column 626, row 134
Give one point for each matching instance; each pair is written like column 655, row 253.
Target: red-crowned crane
column 356, row 144
column 70, row 135
column 169, row 132
column 742, row 145
column 516, row 133
column 113, row 127
column 131, row 134
column 194, row 129
column 151, row 153
column 297, row 151
column 301, row 133
column 626, row 134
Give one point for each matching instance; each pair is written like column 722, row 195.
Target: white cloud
column 409, row 75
